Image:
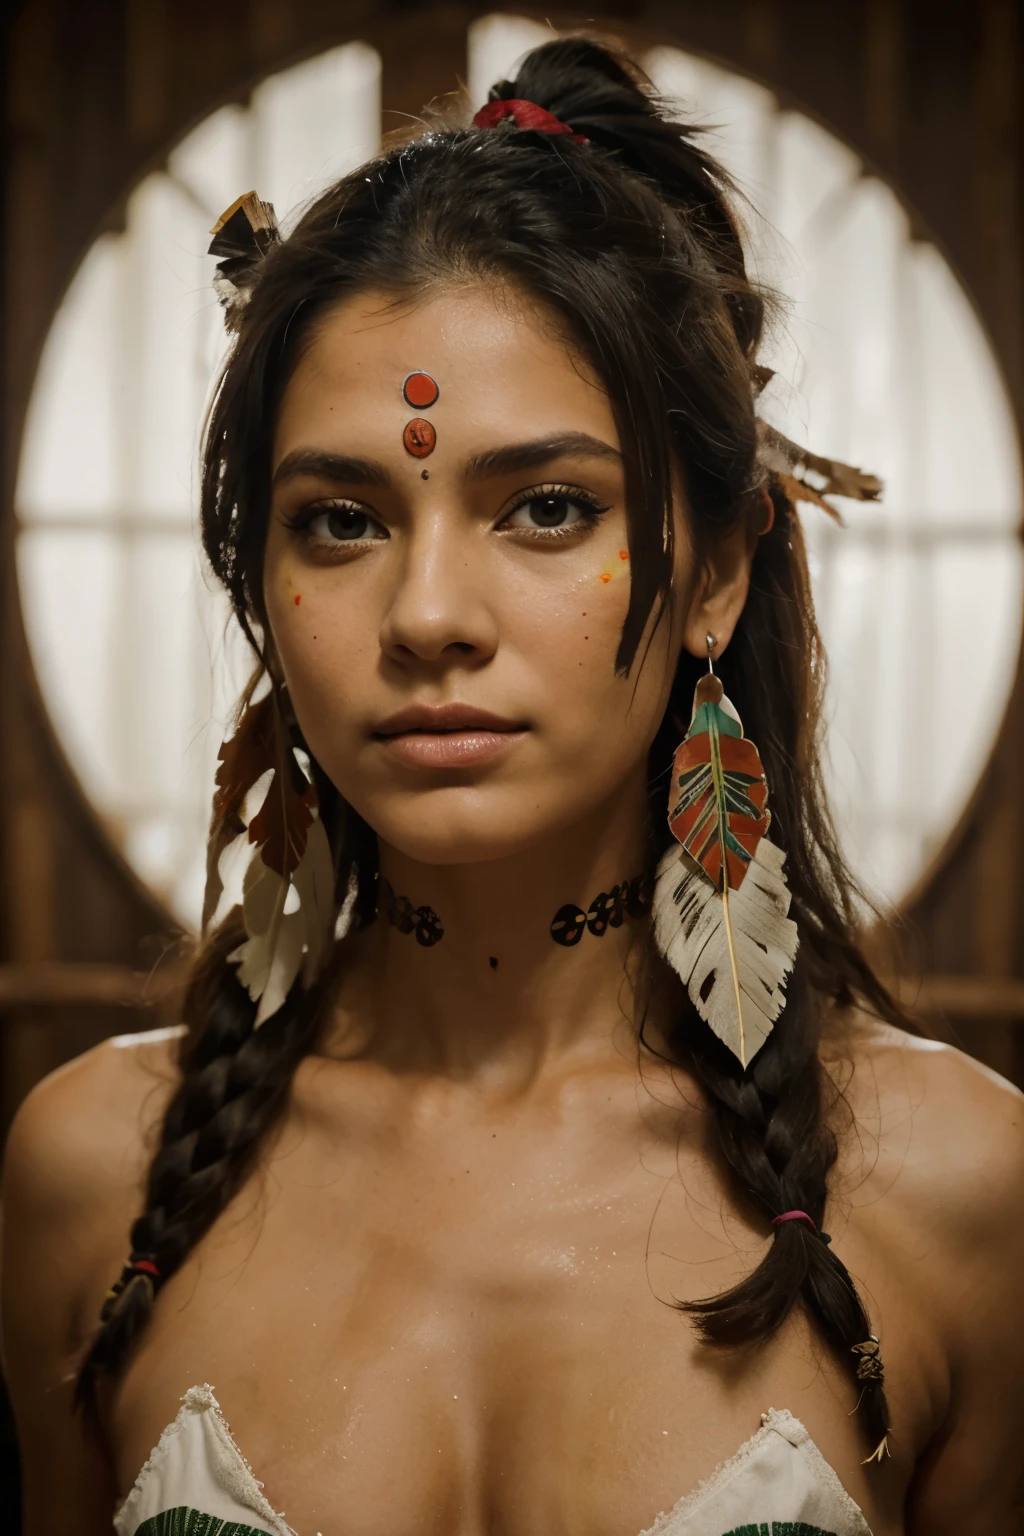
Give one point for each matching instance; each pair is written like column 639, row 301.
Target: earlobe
column 719, row 601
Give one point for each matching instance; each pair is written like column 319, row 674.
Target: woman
column 425, row 1204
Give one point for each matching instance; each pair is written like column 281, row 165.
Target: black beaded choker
column 401, row 914
column 608, row 910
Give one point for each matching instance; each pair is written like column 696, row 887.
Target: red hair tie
column 146, row 1266
column 524, row 114
column 802, row 1216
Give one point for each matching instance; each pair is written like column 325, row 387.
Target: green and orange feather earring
column 721, row 902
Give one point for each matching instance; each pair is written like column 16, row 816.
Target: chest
column 474, row 1332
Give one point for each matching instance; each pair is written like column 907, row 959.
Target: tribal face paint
column 420, row 391
column 419, row 438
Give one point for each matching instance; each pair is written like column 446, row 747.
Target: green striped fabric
column 779, row 1528
column 192, row 1522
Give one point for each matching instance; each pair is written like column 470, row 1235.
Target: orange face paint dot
column 419, row 438
column 298, row 598
column 623, row 554
column 605, row 576
column 420, row 390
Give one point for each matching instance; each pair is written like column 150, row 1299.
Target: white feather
column 279, row 942
column 690, row 931
column 346, row 916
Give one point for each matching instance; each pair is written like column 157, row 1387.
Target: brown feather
column 791, row 463
column 242, row 236
column 244, row 757
column 248, row 228
column 798, row 490
column 281, row 825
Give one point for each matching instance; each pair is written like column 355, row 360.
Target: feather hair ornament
column 792, row 465
column 242, row 236
column 721, row 901
column 288, row 905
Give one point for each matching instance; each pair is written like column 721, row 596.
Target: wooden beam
column 965, row 997
column 422, row 54
column 73, row 984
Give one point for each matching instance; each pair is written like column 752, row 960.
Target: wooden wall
column 928, row 91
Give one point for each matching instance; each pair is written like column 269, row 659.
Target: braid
column 774, row 1141
column 771, row 1128
column 234, row 1084
column 631, row 243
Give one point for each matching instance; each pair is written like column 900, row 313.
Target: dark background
column 928, row 93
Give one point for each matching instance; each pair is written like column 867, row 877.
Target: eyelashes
column 345, row 522
column 338, row 527
column 558, row 512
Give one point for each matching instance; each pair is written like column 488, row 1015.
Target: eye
column 329, row 524
column 553, row 511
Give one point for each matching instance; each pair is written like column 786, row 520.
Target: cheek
column 567, row 640
column 324, row 644
column 575, row 618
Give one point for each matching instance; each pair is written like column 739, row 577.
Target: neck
column 496, row 996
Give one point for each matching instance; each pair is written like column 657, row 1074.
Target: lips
column 447, row 735
column 437, row 719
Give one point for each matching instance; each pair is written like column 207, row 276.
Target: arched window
column 130, row 640
column 881, row 361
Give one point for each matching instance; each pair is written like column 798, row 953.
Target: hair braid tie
column 137, row 1267
column 137, row 1264
column 805, row 1220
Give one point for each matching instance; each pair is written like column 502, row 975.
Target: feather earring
column 721, row 901
column 288, row 902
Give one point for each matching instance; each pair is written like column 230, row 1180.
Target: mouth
column 447, row 735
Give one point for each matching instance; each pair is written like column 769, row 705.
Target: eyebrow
column 345, row 468
column 321, row 465
column 517, row 456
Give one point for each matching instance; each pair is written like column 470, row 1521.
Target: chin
column 462, row 826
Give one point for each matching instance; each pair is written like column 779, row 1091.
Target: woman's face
column 447, row 624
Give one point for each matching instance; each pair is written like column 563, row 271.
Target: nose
column 439, row 608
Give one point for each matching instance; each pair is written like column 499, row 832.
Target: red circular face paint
column 419, row 438
column 420, row 390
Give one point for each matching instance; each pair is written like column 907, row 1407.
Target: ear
column 721, row 594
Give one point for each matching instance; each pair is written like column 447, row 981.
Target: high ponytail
column 606, row 97
column 629, row 240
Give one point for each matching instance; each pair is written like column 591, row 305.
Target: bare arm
column 73, row 1171
column 969, row 1481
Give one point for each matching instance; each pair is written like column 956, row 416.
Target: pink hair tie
column 808, row 1221
column 523, row 114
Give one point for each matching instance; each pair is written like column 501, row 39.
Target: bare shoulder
column 927, row 1197
column 929, row 1120
column 87, row 1129
column 74, row 1171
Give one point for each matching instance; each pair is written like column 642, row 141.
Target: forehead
column 503, row 366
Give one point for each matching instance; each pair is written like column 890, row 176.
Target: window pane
column 880, row 361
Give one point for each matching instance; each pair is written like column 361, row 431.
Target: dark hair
column 630, row 241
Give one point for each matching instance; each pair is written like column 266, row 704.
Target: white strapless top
column 198, row 1483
